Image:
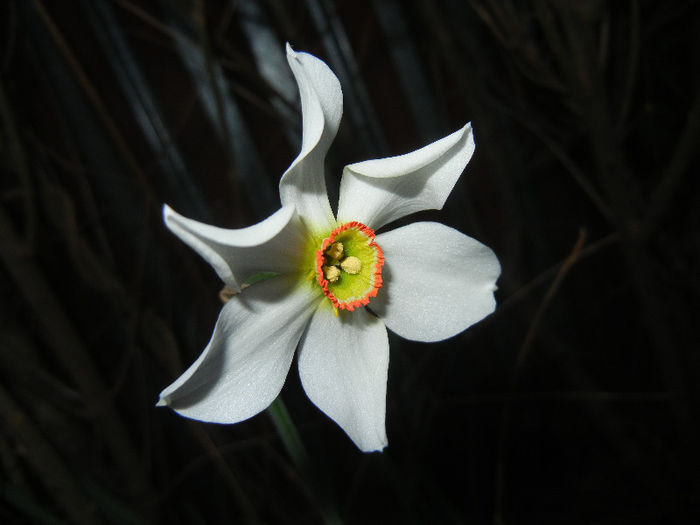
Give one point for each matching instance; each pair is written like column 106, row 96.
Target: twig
column 566, row 266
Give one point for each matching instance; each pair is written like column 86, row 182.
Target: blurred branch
column 92, row 95
column 342, row 59
column 225, row 471
column 18, row 158
column 62, row 338
column 10, row 45
column 142, row 102
column 244, row 164
column 632, row 63
column 553, row 271
column 676, row 169
column 46, row 463
column 564, row 269
column 577, row 174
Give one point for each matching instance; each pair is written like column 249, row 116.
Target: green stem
column 288, row 433
column 295, row 448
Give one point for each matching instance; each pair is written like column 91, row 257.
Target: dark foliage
column 576, row 402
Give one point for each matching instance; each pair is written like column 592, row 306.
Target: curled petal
column 437, row 281
column 243, row 368
column 268, row 246
column 376, row 192
column 343, row 363
column 303, row 184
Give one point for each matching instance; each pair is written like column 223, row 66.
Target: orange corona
column 351, row 288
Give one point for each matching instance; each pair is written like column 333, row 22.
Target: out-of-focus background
column 575, row 402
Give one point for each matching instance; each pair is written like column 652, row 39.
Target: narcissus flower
column 333, row 285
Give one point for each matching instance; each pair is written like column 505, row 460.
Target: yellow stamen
column 351, row 265
column 335, row 251
column 332, row 273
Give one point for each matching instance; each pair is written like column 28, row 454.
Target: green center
column 351, row 287
column 348, row 266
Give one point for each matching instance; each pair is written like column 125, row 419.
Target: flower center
column 349, row 266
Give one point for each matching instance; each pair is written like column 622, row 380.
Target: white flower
column 337, row 286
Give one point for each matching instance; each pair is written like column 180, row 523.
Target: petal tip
column 379, row 449
column 376, row 447
column 168, row 215
column 467, row 132
column 163, row 401
column 290, row 52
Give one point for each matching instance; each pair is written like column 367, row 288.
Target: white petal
column 303, row 184
column 376, row 192
column 437, row 281
column 343, row 363
column 268, row 246
column 243, row 368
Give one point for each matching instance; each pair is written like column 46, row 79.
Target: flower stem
column 288, row 433
column 295, row 447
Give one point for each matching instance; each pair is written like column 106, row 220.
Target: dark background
column 575, row 402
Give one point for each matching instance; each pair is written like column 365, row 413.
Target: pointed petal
column 376, row 192
column 437, row 281
column 243, row 368
column 343, row 363
column 238, row 254
column 303, row 184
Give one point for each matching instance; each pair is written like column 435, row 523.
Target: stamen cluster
column 348, row 266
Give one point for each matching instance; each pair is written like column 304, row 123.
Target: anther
column 351, row 265
column 335, row 251
column 332, row 273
